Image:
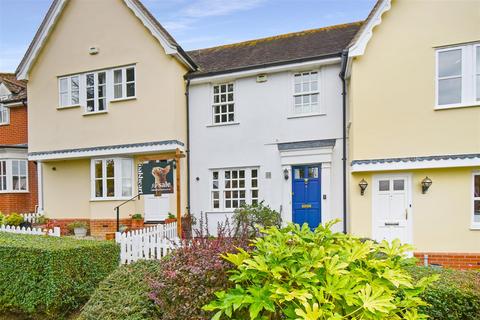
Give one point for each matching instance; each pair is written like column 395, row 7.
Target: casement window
column 458, row 76
column 476, row 200
column 124, row 83
column 4, row 115
column 96, row 91
column 93, row 90
column 306, row 93
column 13, row 175
column 231, row 188
column 112, row 178
column 69, row 88
column 223, row 103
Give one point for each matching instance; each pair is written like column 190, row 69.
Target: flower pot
column 170, row 220
column 137, row 224
column 110, row 236
column 80, row 232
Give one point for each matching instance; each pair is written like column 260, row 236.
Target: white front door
column 156, row 207
column 392, row 208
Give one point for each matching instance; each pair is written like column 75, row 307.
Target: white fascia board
column 13, row 153
column 24, row 67
column 254, row 72
column 412, row 165
column 358, row 48
column 106, row 152
column 14, row 104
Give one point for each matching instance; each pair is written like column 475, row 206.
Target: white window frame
column 474, row 225
column 118, row 179
column 221, row 187
column 319, row 92
column 109, row 89
column 5, row 115
column 96, row 98
column 220, row 104
column 468, row 92
column 69, row 91
column 124, row 83
column 9, row 176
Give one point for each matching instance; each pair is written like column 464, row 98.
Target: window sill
column 222, row 124
column 458, row 105
column 123, row 99
column 68, row 107
column 475, row 227
column 218, row 211
column 109, row 199
column 305, row 115
column 94, row 113
column 4, row 124
column 13, row 191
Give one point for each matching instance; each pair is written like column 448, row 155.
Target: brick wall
column 98, row 228
column 22, row 202
column 16, row 132
column 453, row 260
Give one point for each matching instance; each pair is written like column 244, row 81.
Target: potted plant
column 79, row 228
column 137, row 221
column 171, row 218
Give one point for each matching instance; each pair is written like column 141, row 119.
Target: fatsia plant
column 296, row 273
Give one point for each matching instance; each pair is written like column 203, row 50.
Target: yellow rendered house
column 413, row 88
column 107, row 94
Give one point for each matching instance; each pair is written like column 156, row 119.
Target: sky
column 193, row 23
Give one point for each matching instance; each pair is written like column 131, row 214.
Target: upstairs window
column 13, row 175
column 4, row 115
column 69, row 91
column 458, row 76
column 96, row 90
column 306, row 93
column 223, row 103
column 124, row 83
column 112, row 178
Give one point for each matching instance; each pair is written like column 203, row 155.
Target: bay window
column 232, row 188
column 458, row 76
column 112, row 178
column 13, row 175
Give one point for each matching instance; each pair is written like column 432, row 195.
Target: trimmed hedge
column 124, row 294
column 455, row 296
column 49, row 276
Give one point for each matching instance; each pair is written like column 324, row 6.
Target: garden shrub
column 294, row 273
column 2, row 218
column 13, row 219
column 124, row 294
column 50, row 276
column 250, row 219
column 455, row 296
column 191, row 275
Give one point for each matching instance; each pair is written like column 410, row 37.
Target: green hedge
column 49, row 276
column 455, row 296
column 124, row 294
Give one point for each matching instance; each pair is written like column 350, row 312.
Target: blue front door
column 306, row 190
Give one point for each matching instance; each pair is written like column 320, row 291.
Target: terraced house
column 107, row 101
column 414, row 101
column 18, row 176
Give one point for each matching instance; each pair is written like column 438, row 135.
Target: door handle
column 406, row 213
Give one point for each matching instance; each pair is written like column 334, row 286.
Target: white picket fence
column 31, row 217
column 147, row 243
column 55, row 232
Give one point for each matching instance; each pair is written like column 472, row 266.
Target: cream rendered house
column 107, row 93
column 413, row 77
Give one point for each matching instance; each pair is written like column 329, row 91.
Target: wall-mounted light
column 285, row 174
column 363, row 185
column 426, row 183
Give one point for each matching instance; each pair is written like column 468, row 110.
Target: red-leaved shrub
column 191, row 275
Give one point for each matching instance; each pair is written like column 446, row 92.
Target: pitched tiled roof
column 18, row 88
column 282, row 49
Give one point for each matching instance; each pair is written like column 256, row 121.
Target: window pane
column 101, row 77
column 63, row 85
column 98, row 169
column 130, row 74
column 398, row 185
column 23, row 168
column 90, row 93
column 98, row 188
column 64, row 99
column 101, row 104
column 450, row 63
column 384, row 185
column 313, row 172
column 130, row 89
column 75, row 89
column 476, row 186
column 117, row 76
column 449, row 91
column 110, row 187
column 15, row 169
column 90, row 81
column 127, row 169
column 476, row 213
column 110, row 168
column 117, row 91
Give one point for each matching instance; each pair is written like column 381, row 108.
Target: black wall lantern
column 363, row 185
column 426, row 183
column 285, row 174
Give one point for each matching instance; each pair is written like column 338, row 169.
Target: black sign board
column 155, row 177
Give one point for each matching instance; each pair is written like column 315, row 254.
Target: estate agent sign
column 155, row 177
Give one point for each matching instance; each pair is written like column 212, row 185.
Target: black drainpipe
column 187, row 100
column 344, row 135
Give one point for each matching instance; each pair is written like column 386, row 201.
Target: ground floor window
column 13, row 175
column 231, row 188
column 476, row 200
column 112, row 178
